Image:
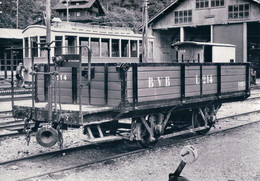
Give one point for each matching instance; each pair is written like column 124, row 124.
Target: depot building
column 235, row 22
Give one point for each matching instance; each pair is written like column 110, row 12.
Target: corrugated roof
column 61, row 5
column 8, row 33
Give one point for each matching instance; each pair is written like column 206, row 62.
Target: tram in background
column 108, row 44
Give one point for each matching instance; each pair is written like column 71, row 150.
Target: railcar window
column 58, row 45
column 84, row 42
column 34, row 46
column 26, row 44
column 133, row 44
column 43, row 52
column 71, row 42
column 115, row 48
column 140, row 49
column 124, row 48
column 105, row 48
column 94, row 45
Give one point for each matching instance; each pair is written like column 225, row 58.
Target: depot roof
column 175, row 2
column 202, row 44
column 7, row 33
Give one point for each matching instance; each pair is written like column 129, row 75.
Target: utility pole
column 17, row 4
column 1, row 11
column 48, row 42
column 68, row 11
column 48, row 21
column 144, row 32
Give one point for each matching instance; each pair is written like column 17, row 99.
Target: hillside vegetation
column 125, row 13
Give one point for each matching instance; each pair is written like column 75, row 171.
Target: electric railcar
column 108, row 44
column 141, row 102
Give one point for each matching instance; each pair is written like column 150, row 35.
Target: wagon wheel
column 199, row 122
column 145, row 141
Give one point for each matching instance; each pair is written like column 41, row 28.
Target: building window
column 78, row 13
column 238, row 11
column 202, row 4
column 183, row 16
column 217, row 3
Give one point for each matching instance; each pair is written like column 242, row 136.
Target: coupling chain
column 27, row 129
column 60, row 137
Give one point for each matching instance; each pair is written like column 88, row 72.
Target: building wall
column 162, row 44
column 206, row 16
column 216, row 19
column 230, row 34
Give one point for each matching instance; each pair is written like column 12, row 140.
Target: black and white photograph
column 129, row 90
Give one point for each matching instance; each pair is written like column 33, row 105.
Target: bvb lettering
column 159, row 81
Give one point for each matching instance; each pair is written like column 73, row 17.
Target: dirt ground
column 229, row 156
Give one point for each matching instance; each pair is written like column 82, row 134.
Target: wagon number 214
column 206, row 79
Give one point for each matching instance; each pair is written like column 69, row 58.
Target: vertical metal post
column 33, row 76
column 89, row 74
column 5, row 63
column 135, row 84
column 219, row 80
column 183, row 82
column 144, row 31
column 201, row 82
column 80, row 85
column 12, row 76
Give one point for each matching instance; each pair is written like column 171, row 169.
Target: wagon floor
column 86, row 109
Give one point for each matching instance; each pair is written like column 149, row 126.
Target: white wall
column 223, row 54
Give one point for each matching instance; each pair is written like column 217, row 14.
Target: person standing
column 19, row 76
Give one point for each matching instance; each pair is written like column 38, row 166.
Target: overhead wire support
column 17, row 15
column 68, row 18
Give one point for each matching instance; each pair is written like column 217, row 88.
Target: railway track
column 133, row 151
column 16, row 98
column 140, row 150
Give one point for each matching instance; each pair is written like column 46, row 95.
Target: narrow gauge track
column 6, row 99
column 78, row 148
column 19, row 126
column 139, row 150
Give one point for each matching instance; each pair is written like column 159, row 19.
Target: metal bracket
column 147, row 127
column 84, row 73
column 203, row 116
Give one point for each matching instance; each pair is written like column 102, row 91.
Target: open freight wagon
column 136, row 101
